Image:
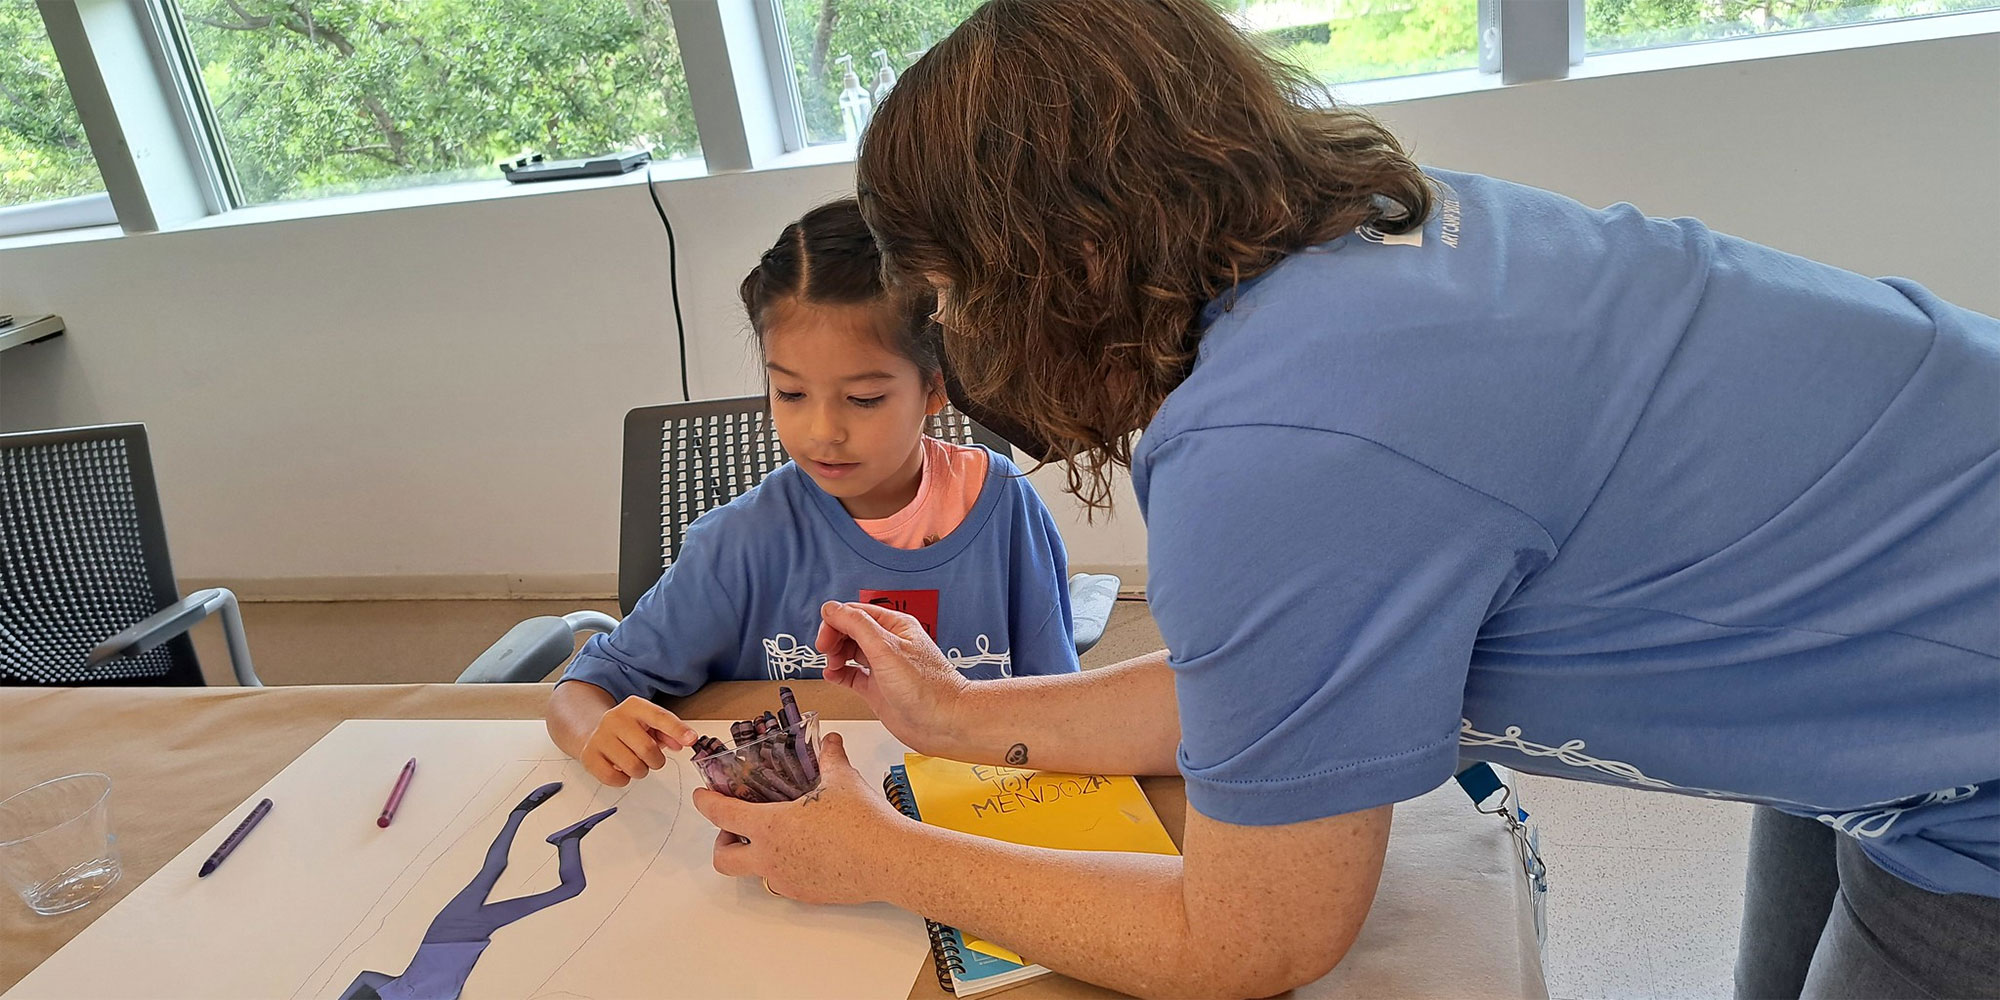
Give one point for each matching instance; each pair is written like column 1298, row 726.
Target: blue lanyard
column 1481, row 782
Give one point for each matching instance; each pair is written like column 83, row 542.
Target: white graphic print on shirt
column 1871, row 821
column 787, row 658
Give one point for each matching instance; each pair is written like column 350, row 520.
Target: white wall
column 437, row 391
column 1882, row 160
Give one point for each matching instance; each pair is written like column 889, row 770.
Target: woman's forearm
column 1247, row 911
column 1117, row 920
column 1120, row 719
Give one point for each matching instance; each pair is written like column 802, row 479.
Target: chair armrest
column 534, row 649
column 168, row 622
column 176, row 619
column 1091, row 597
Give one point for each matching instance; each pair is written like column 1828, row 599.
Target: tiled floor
column 1645, row 889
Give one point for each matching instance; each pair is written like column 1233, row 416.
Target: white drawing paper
column 319, row 895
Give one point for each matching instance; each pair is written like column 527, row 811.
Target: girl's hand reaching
column 631, row 739
column 903, row 676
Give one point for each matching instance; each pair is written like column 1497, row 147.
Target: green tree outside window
column 320, row 97
column 323, row 97
column 43, row 152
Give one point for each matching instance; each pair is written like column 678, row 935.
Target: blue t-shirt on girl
column 741, row 601
column 1594, row 495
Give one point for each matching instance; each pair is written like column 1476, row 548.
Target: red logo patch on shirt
column 919, row 604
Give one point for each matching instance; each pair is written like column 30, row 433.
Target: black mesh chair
column 682, row 460
column 87, row 593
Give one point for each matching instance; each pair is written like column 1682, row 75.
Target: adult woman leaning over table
column 1433, row 465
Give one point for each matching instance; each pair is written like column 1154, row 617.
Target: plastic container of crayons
column 775, row 757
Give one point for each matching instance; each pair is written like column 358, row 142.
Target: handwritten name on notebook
column 1015, row 789
column 1086, row 812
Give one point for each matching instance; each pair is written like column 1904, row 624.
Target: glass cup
column 779, row 766
column 56, row 845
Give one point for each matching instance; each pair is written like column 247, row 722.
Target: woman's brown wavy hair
column 1078, row 178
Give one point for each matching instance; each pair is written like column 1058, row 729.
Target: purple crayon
column 733, row 782
column 774, row 753
column 785, row 763
column 761, row 758
column 719, row 768
column 766, row 792
column 745, row 771
column 780, row 782
column 795, row 724
column 786, row 749
column 235, row 837
column 712, row 774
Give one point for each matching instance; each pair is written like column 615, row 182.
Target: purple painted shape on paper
column 463, row 929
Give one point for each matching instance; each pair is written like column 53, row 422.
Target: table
column 1451, row 919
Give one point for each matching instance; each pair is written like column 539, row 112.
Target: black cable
column 673, row 282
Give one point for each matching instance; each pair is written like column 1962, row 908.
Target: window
column 322, row 97
column 210, row 105
column 1341, row 41
column 1619, row 25
column 826, row 39
column 845, row 54
column 44, row 155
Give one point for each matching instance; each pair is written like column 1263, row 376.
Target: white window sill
column 812, row 156
column 1371, row 92
column 61, row 236
column 51, row 217
column 1727, row 50
column 440, row 194
column 1790, row 43
column 416, row 196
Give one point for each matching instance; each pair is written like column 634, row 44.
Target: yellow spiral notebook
column 1073, row 812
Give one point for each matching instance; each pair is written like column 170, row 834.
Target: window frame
column 81, row 211
column 203, row 132
column 784, row 76
column 136, row 84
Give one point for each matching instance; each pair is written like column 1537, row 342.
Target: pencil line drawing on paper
column 464, row 928
column 316, row 976
column 666, row 836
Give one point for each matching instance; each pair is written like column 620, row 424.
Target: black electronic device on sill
column 535, row 168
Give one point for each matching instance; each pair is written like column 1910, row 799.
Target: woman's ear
column 935, row 398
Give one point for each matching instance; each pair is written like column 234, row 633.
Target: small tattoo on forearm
column 1017, row 754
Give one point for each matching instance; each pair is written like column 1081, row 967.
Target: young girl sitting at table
column 870, row 508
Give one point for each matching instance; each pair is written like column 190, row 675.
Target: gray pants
column 1820, row 920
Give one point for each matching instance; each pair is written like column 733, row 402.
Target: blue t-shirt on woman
column 741, row 601
column 1593, row 495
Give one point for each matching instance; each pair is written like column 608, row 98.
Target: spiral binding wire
column 898, row 792
column 945, row 957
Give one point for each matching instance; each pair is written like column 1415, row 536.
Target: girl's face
column 849, row 409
